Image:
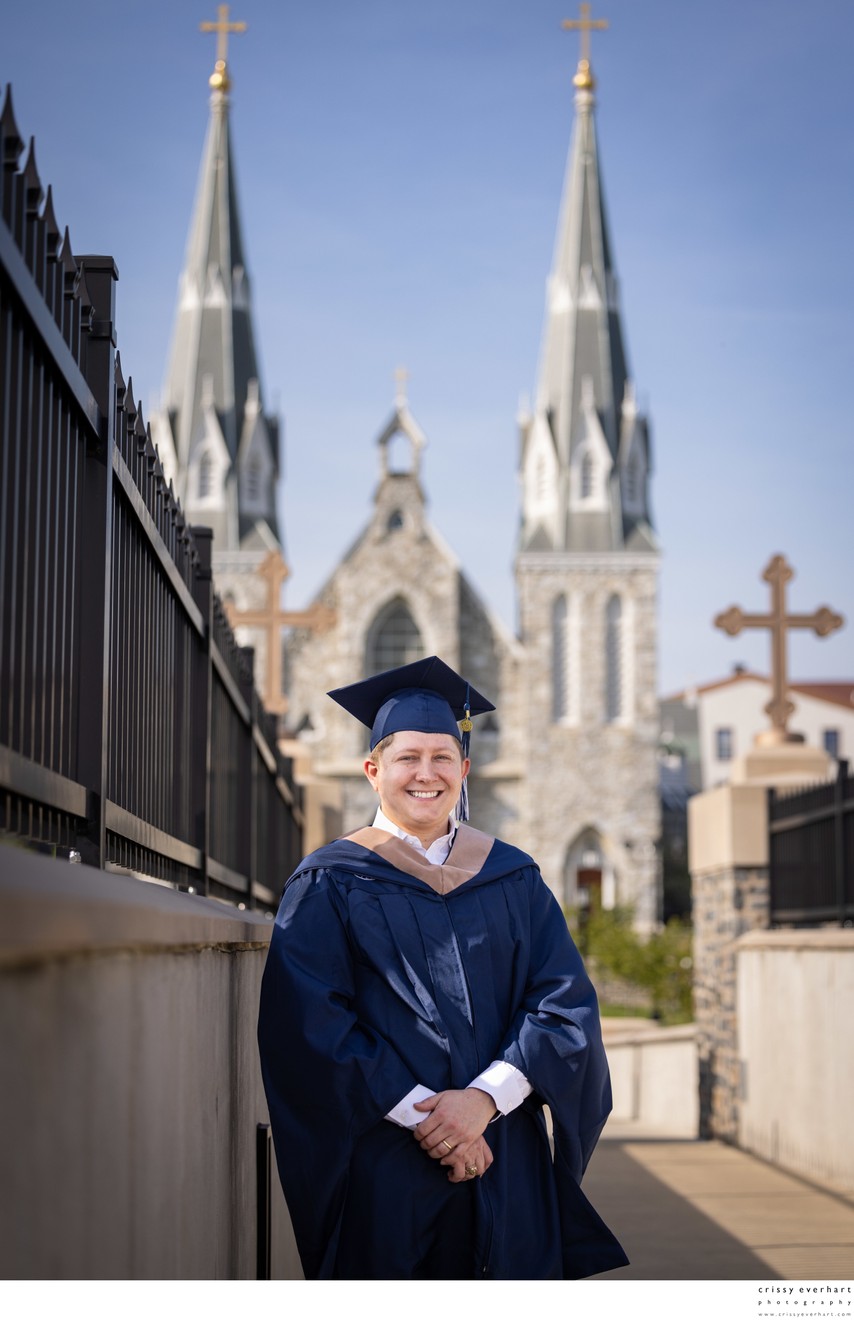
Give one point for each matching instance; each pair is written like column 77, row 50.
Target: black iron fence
column 130, row 729
column 811, row 857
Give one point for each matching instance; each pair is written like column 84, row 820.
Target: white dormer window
column 634, row 478
column 253, row 480
column 588, row 475
column 591, row 461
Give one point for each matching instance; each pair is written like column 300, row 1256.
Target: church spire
column 214, row 437
column 585, row 450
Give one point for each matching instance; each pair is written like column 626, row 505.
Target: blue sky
column 400, row 168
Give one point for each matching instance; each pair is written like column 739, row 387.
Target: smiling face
column 418, row 778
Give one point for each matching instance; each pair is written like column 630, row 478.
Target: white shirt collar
column 438, row 851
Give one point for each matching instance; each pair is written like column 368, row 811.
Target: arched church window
column 395, row 521
column 588, row 475
column 560, row 659
column 205, row 475
column 614, row 677
column 393, row 639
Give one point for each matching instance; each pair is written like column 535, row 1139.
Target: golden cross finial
column 822, row 622
column 584, row 77
column 219, row 79
column 401, row 376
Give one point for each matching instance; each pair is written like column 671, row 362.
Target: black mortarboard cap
column 427, row 696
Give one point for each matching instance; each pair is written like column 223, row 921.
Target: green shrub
column 661, row 963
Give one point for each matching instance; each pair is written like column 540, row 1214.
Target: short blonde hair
column 374, row 755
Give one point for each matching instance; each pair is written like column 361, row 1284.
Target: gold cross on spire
column 822, row 622
column 401, row 376
column 219, row 79
column 584, row 77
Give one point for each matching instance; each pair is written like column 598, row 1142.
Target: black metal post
column 95, row 556
column 839, row 837
column 201, row 697
column 249, row 855
column 263, row 1205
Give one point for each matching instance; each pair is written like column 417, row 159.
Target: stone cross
column 822, row 622
column 271, row 619
column 586, row 24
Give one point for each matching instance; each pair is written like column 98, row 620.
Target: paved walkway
column 690, row 1210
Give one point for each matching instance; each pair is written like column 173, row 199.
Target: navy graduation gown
column 385, row 971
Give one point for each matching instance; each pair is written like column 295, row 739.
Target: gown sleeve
column 555, row 1037
column 328, row 1078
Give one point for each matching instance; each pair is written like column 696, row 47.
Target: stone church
column 567, row 765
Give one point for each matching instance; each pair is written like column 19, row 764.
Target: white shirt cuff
column 506, row 1084
column 403, row 1113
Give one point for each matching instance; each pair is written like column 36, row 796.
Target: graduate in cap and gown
column 422, row 1003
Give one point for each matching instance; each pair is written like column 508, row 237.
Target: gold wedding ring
column 446, row 1143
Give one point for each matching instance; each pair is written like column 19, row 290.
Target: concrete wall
column 796, row 1049
column 131, row 1086
column 654, row 1078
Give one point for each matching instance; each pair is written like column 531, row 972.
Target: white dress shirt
column 506, row 1084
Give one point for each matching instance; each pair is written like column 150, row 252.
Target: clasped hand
column 452, row 1132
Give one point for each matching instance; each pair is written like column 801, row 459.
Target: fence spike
column 69, row 265
column 84, row 298
column 139, row 427
column 51, row 228
column 130, row 406
column 119, row 381
column 33, row 191
column 12, row 142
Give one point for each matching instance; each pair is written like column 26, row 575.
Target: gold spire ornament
column 401, row 376
column 219, row 79
column 584, row 79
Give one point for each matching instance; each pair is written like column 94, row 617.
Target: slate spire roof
column 585, row 449
column 212, row 408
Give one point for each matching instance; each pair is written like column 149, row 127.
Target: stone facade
column 586, row 777
column 728, row 902
column 386, row 572
column 563, row 789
